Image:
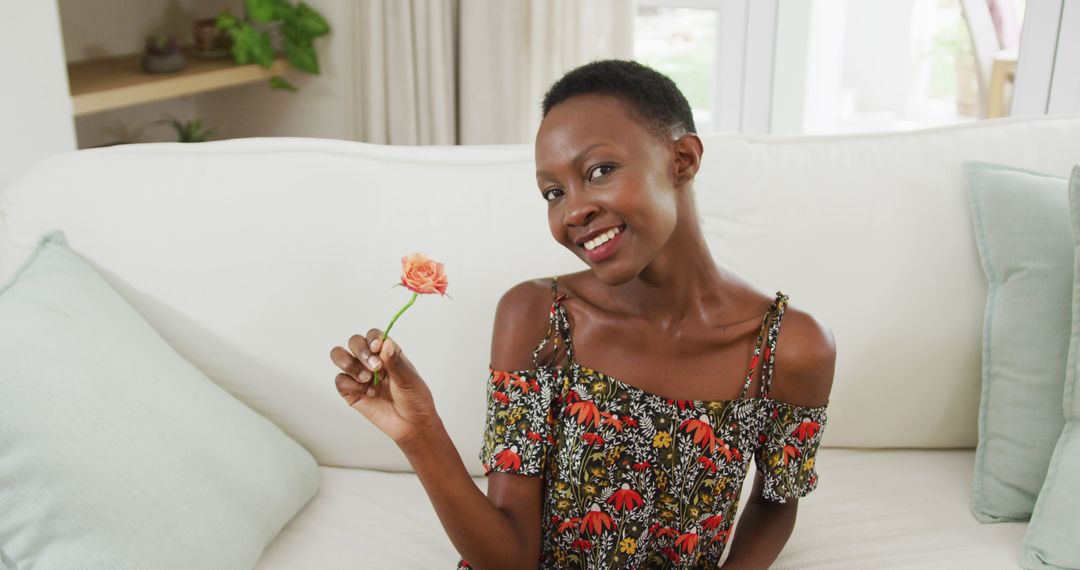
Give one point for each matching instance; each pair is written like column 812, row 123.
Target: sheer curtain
column 474, row 71
column 406, row 56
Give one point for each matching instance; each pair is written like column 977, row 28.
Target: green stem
column 390, row 326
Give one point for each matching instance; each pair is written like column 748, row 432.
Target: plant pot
column 166, row 63
column 209, row 41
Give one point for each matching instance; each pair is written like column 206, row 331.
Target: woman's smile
column 604, row 245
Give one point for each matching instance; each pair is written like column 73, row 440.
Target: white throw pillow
column 116, row 452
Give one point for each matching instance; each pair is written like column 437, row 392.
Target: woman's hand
column 401, row 405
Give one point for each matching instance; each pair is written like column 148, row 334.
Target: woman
column 637, row 458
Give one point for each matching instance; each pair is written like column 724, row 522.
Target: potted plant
column 210, row 41
column 272, row 26
column 162, row 54
column 187, row 131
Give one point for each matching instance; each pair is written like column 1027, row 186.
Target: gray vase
column 152, row 63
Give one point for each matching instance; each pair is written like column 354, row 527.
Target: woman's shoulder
column 806, row 359
column 521, row 322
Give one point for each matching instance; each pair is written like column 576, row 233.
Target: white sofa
column 254, row 257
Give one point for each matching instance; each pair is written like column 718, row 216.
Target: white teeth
column 601, row 239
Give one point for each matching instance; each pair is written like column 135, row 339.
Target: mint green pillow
column 1052, row 539
column 1021, row 221
column 117, row 453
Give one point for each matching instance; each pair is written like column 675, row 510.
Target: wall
column 35, row 110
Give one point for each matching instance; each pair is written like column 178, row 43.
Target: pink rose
column 423, row 275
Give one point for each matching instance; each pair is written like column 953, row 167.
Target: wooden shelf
column 115, row 82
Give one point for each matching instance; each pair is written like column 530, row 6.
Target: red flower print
column 593, row 439
column 585, row 411
column 534, row 385
column 630, row 421
column 625, row 498
column 533, row 435
column 666, row 531
column 612, row 420
column 712, row 522
column 761, row 437
column 729, row 452
column 508, row 458
column 501, row 397
column 790, row 452
column 702, row 431
column 683, row 404
column 595, row 521
column 571, row 397
column 581, row 543
column 687, row 541
column 670, row 553
column 521, row 384
column 642, row 466
column 568, row 524
column 707, row 463
column 721, row 535
column 806, row 429
column 501, row 378
column 551, row 438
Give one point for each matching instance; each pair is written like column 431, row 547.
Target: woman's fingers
column 349, row 365
column 349, row 388
column 359, row 347
column 374, row 340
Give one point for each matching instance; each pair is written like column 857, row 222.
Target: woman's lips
column 607, row 249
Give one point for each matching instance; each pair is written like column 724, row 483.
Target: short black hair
column 653, row 96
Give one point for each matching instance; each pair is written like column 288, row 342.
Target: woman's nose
column 581, row 209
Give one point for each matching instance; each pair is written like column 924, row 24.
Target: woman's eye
column 598, row 169
column 548, row 192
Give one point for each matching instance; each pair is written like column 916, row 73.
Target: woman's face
column 599, row 169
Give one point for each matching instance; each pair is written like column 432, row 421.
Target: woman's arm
column 489, row 533
column 502, row 529
column 762, row 531
column 803, row 376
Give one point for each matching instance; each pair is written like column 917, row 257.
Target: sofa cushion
column 115, row 452
column 1051, row 539
column 1021, row 222
column 873, row 509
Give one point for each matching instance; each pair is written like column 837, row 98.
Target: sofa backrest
column 254, row 257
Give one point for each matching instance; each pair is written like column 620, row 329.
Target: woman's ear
column 688, row 151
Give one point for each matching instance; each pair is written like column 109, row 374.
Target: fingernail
column 373, row 361
column 390, row 347
column 375, row 344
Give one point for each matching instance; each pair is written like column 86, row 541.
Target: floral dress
column 635, row 480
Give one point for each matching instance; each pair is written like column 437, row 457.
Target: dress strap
column 767, row 336
column 558, row 325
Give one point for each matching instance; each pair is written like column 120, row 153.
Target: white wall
column 35, row 109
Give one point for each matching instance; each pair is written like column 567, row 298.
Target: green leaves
column 251, row 45
column 300, row 25
column 302, row 54
column 279, row 82
column 308, row 22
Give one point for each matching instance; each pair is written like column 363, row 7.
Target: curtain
column 474, row 71
column 512, row 51
column 406, row 85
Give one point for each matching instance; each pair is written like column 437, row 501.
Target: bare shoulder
column 805, row 359
column 521, row 322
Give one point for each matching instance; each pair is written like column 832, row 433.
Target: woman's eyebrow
column 577, row 157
